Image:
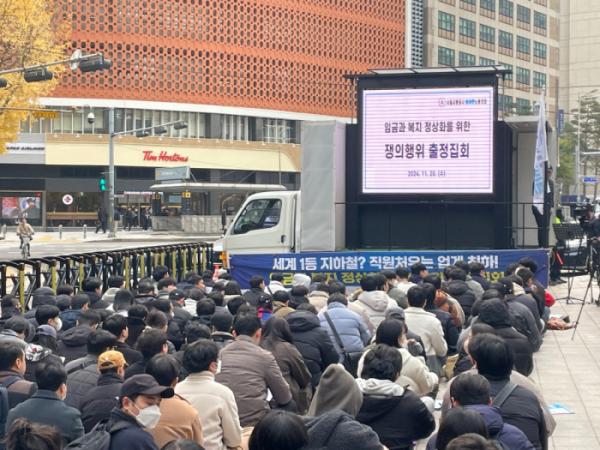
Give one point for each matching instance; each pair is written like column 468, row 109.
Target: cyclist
column 24, row 230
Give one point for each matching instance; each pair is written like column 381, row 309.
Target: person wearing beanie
column 63, row 301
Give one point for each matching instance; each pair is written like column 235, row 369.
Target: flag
column 541, row 156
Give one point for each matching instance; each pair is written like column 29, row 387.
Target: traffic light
column 102, row 183
column 94, row 64
column 33, row 76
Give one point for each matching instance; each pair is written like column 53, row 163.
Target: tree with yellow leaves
column 32, row 32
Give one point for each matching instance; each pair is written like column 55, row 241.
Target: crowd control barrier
column 23, row 277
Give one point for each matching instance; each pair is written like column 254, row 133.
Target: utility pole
column 111, row 173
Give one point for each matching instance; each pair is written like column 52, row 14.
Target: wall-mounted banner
column 350, row 267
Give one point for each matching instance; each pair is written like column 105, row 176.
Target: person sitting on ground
column 281, row 302
column 139, row 411
column 192, row 297
column 207, row 278
column 205, row 309
column 164, row 287
column 473, row 285
column 319, row 296
column 279, row 430
column 374, row 298
column 337, row 287
column 214, row 401
column 174, row 333
column 194, row 332
column 232, row 290
column 219, row 300
column 459, row 289
column 234, row 304
column 428, row 327
column 312, row 341
column 277, row 338
column 161, row 272
column 477, row 271
column 175, row 410
column 43, row 349
column 150, row 343
column 46, row 405
column 418, row 272
column 539, row 292
column 115, row 284
column 494, row 359
column 180, row 315
column 415, row 374
column 392, row 291
column 220, row 326
column 12, row 369
column 63, row 302
column 158, row 320
column 445, row 302
column 117, row 325
column 48, row 315
column 298, row 296
column 464, row 362
column 65, row 289
column 17, row 329
column 522, row 298
column 92, row 287
column 301, row 279
column 97, row 403
column 275, row 284
column 316, row 279
column 73, row 343
column 397, row 415
column 350, row 327
column 402, row 287
column 531, row 289
column 136, row 323
column 446, row 320
column 458, row 422
column 473, row 392
column 26, row 435
column 11, row 307
column 244, row 359
column 79, row 303
column 145, row 295
column 197, row 282
column 83, row 372
column 495, row 313
column 122, row 302
column 41, row 296
column 470, row 441
column 265, row 308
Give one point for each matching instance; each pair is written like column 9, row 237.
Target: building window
column 279, row 131
column 467, row 28
column 506, row 8
column 523, row 14
column 523, row 45
column 486, row 62
column 523, row 75
column 466, row 59
column 539, row 79
column 470, row 2
column 539, row 50
column 446, row 21
column 490, row 5
column 486, row 34
column 504, row 101
column 523, row 106
column 505, row 39
column 539, row 20
column 445, row 56
column 508, row 76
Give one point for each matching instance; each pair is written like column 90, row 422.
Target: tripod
column 594, row 261
column 567, row 232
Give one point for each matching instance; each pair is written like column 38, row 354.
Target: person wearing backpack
column 47, row 405
column 14, row 389
column 472, row 391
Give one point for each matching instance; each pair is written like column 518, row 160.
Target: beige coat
column 178, row 419
column 216, row 408
column 427, row 326
column 318, row 299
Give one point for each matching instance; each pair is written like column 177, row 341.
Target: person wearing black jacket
column 150, row 343
column 496, row 314
column 42, row 296
column 98, row 402
column 477, row 270
column 180, row 316
column 313, row 343
column 450, row 330
column 256, row 292
column 93, row 288
column 174, row 334
column 128, row 219
column 397, row 415
column 533, row 287
column 117, row 325
column 495, row 360
column 458, row 288
column 73, row 343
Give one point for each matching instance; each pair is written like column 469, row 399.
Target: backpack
column 99, row 438
column 5, row 407
column 499, row 445
column 498, row 401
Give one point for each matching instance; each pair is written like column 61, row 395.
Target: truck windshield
column 258, row 215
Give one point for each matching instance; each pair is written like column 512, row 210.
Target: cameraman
column 593, row 228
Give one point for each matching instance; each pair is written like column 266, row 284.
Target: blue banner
column 350, row 267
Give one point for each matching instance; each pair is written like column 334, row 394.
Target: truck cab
column 267, row 223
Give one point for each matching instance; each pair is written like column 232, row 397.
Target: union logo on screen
column 442, row 102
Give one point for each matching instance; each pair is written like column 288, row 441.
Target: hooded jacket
column 96, row 301
column 34, row 355
column 73, row 343
column 415, row 279
column 336, row 430
column 533, row 326
column 463, row 294
column 475, row 286
column 495, row 313
column 69, row 318
column 41, row 296
column 376, row 303
column 397, row 415
column 301, row 279
column 98, row 402
column 254, row 295
column 11, row 335
column 144, row 299
column 484, row 282
column 508, row 434
column 337, row 391
column 274, row 286
column 221, row 338
column 313, row 343
column 351, row 328
column 7, row 313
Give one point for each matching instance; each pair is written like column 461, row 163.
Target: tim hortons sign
column 149, row 155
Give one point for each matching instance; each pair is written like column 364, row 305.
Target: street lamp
column 578, row 148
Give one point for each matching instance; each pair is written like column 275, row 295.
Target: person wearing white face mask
column 47, row 405
column 141, row 396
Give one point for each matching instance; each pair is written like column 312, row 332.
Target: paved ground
column 50, row 243
column 568, row 372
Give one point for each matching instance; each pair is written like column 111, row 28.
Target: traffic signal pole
column 111, row 173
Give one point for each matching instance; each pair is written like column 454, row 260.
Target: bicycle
column 26, row 247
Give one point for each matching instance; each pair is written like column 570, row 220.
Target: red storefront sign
column 149, row 155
